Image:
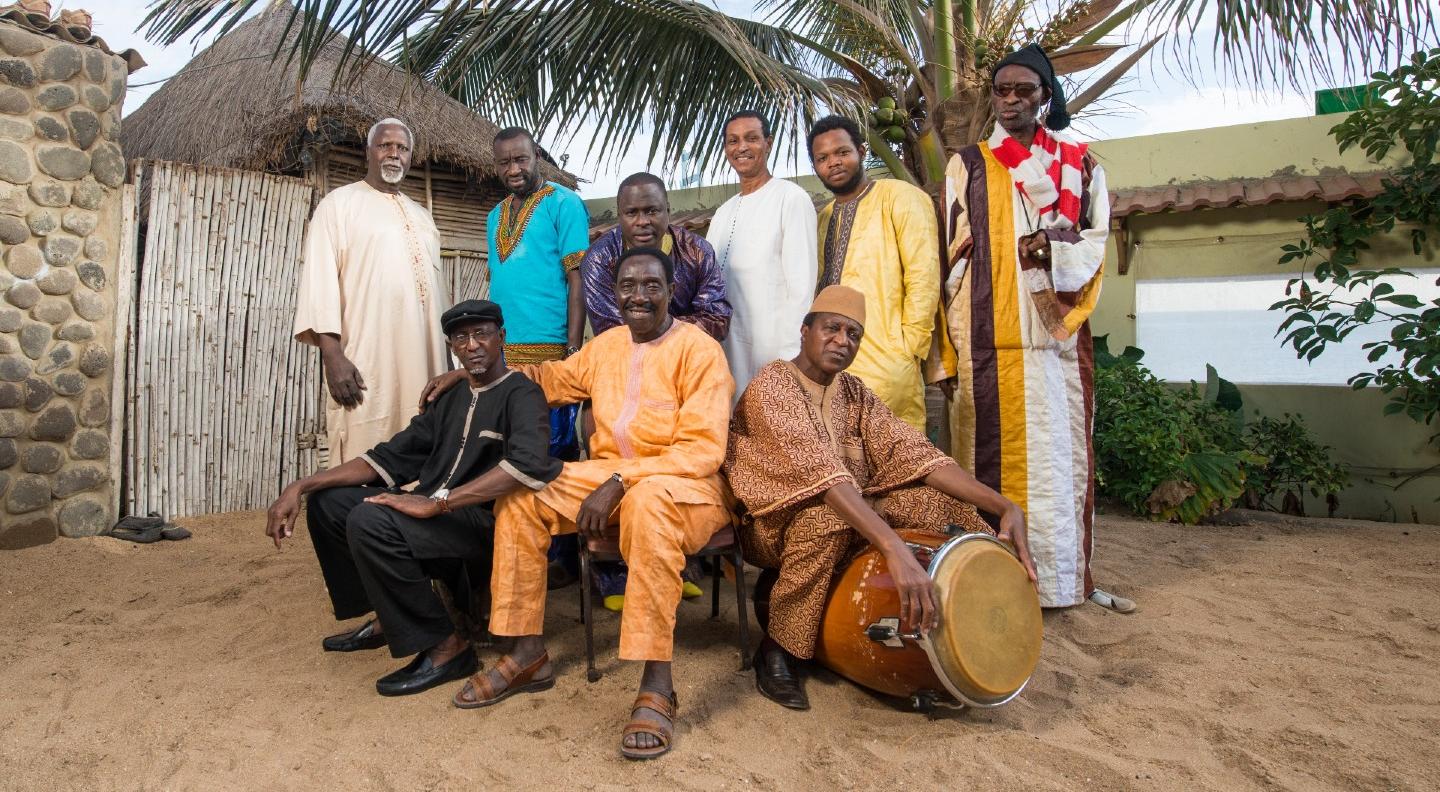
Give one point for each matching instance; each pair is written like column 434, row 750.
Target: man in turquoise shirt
column 537, row 236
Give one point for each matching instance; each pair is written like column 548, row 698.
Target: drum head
column 988, row 640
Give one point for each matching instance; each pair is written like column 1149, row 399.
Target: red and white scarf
column 1048, row 173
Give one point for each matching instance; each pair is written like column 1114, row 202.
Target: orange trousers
column 656, row 533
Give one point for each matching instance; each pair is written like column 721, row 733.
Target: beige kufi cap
column 841, row 300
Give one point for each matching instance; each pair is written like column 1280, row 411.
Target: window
column 1182, row 324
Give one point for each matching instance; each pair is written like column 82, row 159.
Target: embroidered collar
column 513, row 221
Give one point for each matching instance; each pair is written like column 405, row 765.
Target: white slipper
column 1112, row 602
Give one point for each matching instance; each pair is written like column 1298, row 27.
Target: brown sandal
column 666, row 707
column 517, row 680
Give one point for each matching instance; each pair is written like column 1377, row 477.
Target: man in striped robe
column 1026, row 217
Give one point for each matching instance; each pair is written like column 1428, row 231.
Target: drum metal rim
column 924, row 640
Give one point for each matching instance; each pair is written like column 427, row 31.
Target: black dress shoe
column 364, row 637
column 777, row 679
column 421, row 675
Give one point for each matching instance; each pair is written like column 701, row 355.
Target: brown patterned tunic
column 791, row 440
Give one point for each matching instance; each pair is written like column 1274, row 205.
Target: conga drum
column 987, row 642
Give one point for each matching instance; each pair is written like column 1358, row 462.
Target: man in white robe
column 370, row 298
column 764, row 239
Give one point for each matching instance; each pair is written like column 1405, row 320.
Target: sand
column 1270, row 655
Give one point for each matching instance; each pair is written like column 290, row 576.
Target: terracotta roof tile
column 1244, row 192
column 1163, row 198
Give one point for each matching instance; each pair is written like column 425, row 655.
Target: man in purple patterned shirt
column 644, row 210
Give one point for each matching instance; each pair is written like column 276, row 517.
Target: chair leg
column 739, row 561
column 587, row 614
column 715, row 563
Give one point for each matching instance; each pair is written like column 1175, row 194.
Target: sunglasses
column 1021, row 90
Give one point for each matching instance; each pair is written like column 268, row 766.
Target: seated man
column 660, row 392
column 643, row 208
column 822, row 465
column 379, row 547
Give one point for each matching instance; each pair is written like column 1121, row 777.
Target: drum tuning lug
column 928, row 700
column 887, row 631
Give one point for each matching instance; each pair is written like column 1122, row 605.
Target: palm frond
column 1289, row 41
column 628, row 66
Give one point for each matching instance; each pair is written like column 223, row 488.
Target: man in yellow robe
column 370, row 298
column 880, row 238
column 660, row 393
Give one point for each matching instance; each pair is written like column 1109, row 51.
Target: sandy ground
column 1272, row 655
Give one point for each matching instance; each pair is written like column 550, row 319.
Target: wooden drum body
column 985, row 647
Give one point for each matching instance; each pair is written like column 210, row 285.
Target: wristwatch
column 570, row 350
column 618, row 479
column 442, row 497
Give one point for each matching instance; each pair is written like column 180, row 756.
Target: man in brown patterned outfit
column 824, row 467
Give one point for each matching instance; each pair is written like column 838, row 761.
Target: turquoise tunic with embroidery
column 533, row 244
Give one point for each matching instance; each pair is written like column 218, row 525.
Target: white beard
column 392, row 175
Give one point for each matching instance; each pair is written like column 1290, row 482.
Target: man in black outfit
column 379, row 547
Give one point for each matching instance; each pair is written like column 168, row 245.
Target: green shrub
column 1185, row 454
column 1294, row 464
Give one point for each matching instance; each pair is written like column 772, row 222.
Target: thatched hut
column 234, row 105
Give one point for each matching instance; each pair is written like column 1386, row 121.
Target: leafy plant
column 1293, row 465
column 1337, row 291
column 1166, row 454
column 1185, row 454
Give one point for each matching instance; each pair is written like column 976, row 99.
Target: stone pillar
column 61, row 170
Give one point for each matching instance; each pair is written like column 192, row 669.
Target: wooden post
column 124, row 312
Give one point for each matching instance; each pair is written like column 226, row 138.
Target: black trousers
column 376, row 559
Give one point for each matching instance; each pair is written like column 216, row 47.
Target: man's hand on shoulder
column 417, row 506
column 436, row 387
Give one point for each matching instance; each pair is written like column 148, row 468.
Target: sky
column 1151, row 101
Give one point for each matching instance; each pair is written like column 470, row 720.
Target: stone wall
column 61, row 169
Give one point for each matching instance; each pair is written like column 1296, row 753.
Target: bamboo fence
column 222, row 405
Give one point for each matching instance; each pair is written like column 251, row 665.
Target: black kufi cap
column 472, row 311
column 1033, row 58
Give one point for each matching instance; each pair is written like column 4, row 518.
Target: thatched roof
column 234, row 106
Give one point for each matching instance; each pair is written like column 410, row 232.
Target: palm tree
column 915, row 70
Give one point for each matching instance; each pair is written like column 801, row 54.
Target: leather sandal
column 666, row 706
column 517, row 680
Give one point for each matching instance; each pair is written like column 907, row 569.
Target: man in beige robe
column 371, row 296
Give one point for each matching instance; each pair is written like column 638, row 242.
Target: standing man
column 644, row 209
column 879, row 237
column 661, row 395
column 370, row 297
column 379, row 548
column 537, row 237
column 764, row 241
column 1026, row 216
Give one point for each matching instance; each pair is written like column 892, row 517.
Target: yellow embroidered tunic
column 887, row 249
